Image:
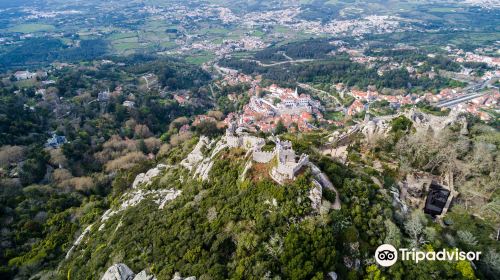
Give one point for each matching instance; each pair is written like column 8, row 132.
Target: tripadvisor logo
column 386, row 255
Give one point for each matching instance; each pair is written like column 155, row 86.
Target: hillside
column 233, row 224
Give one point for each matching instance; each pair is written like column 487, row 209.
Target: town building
column 279, row 105
column 24, row 75
column 129, row 104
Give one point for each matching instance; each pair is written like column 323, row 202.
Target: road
column 279, row 63
column 472, row 93
column 455, row 101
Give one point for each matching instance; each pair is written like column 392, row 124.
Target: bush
column 329, row 195
column 125, row 162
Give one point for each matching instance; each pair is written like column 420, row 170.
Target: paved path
column 280, row 63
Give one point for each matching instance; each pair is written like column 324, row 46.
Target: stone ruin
column 423, row 121
column 380, row 126
column 288, row 163
column 420, row 189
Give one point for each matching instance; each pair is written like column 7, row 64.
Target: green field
column 31, row 27
column 119, row 36
column 200, row 58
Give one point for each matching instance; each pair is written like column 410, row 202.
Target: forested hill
column 39, row 52
column 229, row 227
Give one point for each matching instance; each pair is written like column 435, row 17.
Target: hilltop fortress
column 288, row 163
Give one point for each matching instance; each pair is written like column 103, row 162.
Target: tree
column 33, row 170
column 208, row 128
column 142, row 131
column 393, row 234
column 414, row 227
column 11, row 154
column 280, row 128
column 141, row 146
column 374, row 273
column 492, row 262
column 329, row 195
column 465, row 268
column 467, row 238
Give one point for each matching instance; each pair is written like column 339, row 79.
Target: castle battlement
column 288, row 161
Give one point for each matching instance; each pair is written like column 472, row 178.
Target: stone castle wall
column 251, row 142
column 304, row 160
column 233, row 141
column 289, row 170
column 286, row 168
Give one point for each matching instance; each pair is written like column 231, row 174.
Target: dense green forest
column 313, row 48
column 42, row 188
column 35, row 52
column 340, row 69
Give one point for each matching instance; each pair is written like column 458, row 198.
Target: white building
column 129, row 104
column 24, row 75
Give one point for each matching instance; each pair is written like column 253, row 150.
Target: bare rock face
column 146, row 178
column 144, row 276
column 375, row 127
column 118, row 271
column 422, row 121
column 177, row 276
column 121, row 271
column 333, row 275
column 380, row 126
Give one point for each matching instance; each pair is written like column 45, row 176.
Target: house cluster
column 288, row 163
column 491, row 61
column 237, row 78
column 26, row 75
column 444, row 94
column 463, row 56
column 279, row 104
column 226, row 47
column 478, row 105
column 362, row 97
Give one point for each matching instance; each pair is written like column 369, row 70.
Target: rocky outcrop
column 160, row 197
column 144, row 276
column 315, row 195
column 323, row 180
column 121, row 271
column 177, row 276
column 146, row 178
column 333, row 275
column 78, row 240
column 428, row 122
column 197, row 162
column 375, row 127
column 118, row 271
column 196, row 155
column 380, row 126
